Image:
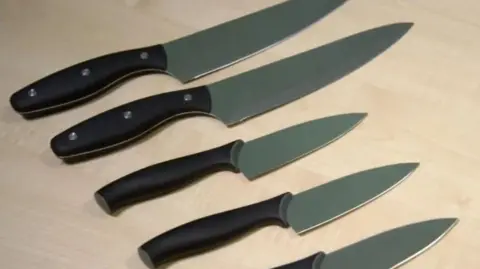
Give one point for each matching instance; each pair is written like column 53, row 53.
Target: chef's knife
column 252, row 158
column 303, row 211
column 186, row 58
column 232, row 100
column 388, row 250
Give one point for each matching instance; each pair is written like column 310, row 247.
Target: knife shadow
column 8, row 115
column 134, row 262
column 49, row 159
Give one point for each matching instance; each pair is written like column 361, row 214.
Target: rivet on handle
column 187, row 97
column 72, row 136
column 127, row 114
column 85, row 72
column 144, row 55
column 32, row 92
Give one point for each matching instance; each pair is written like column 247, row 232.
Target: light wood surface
column 422, row 96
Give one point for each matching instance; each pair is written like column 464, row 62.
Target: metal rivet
column 144, row 55
column 187, row 97
column 32, row 92
column 72, row 136
column 127, row 114
column 85, row 72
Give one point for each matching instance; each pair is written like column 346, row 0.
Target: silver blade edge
column 413, row 166
column 421, row 251
column 180, row 57
column 351, row 256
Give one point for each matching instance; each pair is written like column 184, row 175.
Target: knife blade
column 187, row 58
column 388, row 250
column 232, row 100
column 252, row 158
column 302, row 212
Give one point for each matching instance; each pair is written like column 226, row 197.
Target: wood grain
column 422, row 97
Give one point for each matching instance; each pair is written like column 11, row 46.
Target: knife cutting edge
column 302, row 212
column 232, row 100
column 186, row 58
column 388, row 250
column 252, row 158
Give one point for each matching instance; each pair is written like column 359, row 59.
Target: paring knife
column 186, row 58
column 232, row 100
column 303, row 211
column 387, row 250
column 252, row 158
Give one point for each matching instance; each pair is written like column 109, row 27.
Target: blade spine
column 359, row 205
column 429, row 246
column 316, row 148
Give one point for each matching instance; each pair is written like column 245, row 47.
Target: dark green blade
column 265, row 88
column 327, row 202
column 390, row 249
column 272, row 151
column 201, row 53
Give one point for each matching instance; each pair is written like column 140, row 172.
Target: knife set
column 232, row 101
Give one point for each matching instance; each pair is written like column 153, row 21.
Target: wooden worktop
column 422, row 96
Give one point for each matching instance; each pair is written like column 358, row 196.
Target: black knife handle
column 84, row 81
column 124, row 124
column 310, row 262
column 212, row 231
column 165, row 177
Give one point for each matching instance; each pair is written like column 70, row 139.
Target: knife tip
column 451, row 221
column 357, row 117
column 361, row 114
column 403, row 26
column 412, row 165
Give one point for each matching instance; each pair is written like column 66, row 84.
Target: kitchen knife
column 303, row 211
column 253, row 158
column 388, row 250
column 232, row 100
column 186, row 58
